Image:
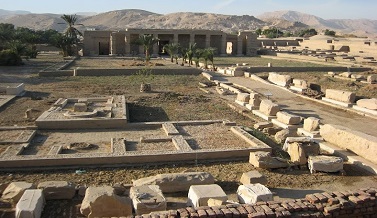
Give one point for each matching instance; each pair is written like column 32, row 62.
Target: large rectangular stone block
column 252, row 193
column 342, row 96
column 268, row 108
column 57, row 190
column 199, row 195
column 278, row 79
column 300, row 83
column 360, row 143
column 287, row 118
column 147, row 198
column 323, row 163
column 31, row 204
column 311, row 124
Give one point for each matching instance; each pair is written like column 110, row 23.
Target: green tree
column 191, row 50
column 208, row 55
column 172, row 49
column 72, row 34
column 147, row 41
column 258, row 31
column 330, row 32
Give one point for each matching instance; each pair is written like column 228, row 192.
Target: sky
column 327, row 9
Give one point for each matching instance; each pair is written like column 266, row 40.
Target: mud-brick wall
column 360, row 203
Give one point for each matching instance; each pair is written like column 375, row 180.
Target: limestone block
column 80, row 107
column 264, row 160
column 176, row 182
column 339, row 95
column 56, row 190
column 324, row 163
column 3, row 186
column 30, row 204
column 370, row 104
column 278, row 79
column 254, row 102
column 300, row 83
column 102, row 202
column 307, row 144
column 358, row 76
column 212, row 202
column 359, row 143
column 15, row 190
column 311, row 124
column 199, row 195
column 331, row 73
column 261, row 125
column 297, row 153
column 268, row 108
column 253, row 177
column 282, row 135
column 243, row 97
column 287, row 118
column 147, row 198
column 372, row 78
column 252, row 193
column 254, row 95
column 346, row 74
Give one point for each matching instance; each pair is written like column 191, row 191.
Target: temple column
column 192, row 38
column 127, row 49
column 208, row 40
column 155, row 47
column 141, row 49
column 223, row 45
column 113, row 51
column 239, row 45
column 175, row 38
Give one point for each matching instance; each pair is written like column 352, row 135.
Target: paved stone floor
column 303, row 107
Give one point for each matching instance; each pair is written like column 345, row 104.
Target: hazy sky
column 327, row 9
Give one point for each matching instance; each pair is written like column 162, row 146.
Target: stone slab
column 5, row 99
column 365, row 110
column 262, row 115
column 322, row 163
column 176, row 182
column 370, row 104
column 288, row 118
column 303, row 132
column 268, row 108
column 253, row 193
column 343, row 104
column 30, row 204
column 15, row 190
column 253, row 177
column 199, row 195
column 285, row 126
column 57, row 190
column 264, row 160
column 147, row 199
column 342, row 96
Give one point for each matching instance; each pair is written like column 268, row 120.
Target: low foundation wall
column 304, row 69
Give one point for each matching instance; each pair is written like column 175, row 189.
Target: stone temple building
column 120, row 43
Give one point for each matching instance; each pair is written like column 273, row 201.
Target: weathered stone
column 243, row 97
column 261, row 125
column 264, row 160
column 372, row 78
column 339, row 95
column 215, row 202
column 176, row 182
column 268, row 108
column 56, row 190
column 287, row 118
column 253, row 177
column 30, row 204
column 252, row 193
column 331, row 73
column 278, row 79
column 147, row 198
column 80, row 107
column 370, row 104
column 300, row 83
column 325, row 164
column 15, row 190
column 311, row 124
column 199, row 195
column 358, row 76
column 102, row 202
column 282, row 135
column 346, row 74
column 271, row 130
column 297, row 154
column 357, row 142
column 3, row 186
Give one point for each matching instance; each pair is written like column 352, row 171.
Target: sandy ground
column 174, row 98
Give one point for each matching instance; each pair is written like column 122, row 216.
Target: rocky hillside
column 131, row 18
column 354, row 26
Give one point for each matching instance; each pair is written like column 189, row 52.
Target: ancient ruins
column 298, row 129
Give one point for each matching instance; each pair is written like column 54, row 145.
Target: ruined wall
column 360, row 203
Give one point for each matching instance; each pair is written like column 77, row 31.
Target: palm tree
column 183, row 52
column 147, row 41
column 191, row 52
column 198, row 54
column 71, row 34
column 208, row 54
column 172, row 49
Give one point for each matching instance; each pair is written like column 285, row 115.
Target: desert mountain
column 132, row 18
column 356, row 26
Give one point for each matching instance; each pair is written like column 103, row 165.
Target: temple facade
column 121, row 43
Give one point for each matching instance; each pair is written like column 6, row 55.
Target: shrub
column 9, row 58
